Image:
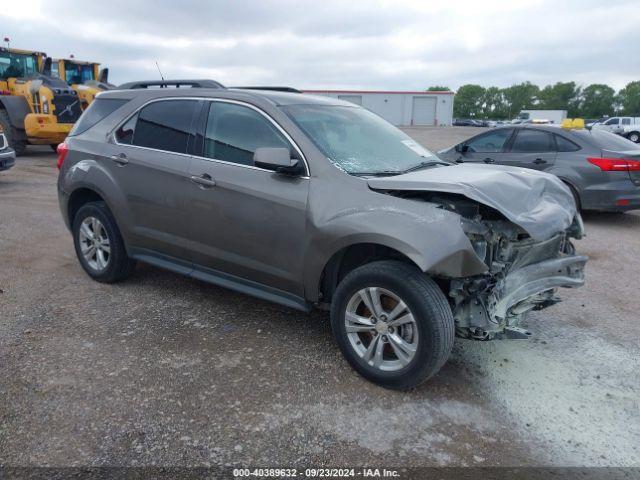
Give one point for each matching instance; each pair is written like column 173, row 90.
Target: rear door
column 246, row 221
column 150, row 164
column 488, row 147
column 531, row 148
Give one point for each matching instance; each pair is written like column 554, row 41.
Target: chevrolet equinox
column 314, row 202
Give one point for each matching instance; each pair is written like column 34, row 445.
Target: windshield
column 358, row 141
column 77, row 73
column 18, row 65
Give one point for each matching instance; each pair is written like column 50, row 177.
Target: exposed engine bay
column 522, row 274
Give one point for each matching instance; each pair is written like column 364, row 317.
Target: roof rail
column 171, row 83
column 273, row 89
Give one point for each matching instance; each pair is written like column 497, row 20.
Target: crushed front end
column 522, row 273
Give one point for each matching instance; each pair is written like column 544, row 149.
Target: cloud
column 387, row 44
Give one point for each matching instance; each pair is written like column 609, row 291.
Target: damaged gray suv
column 314, row 202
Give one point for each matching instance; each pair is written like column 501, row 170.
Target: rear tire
column 12, row 134
column 576, row 197
column 412, row 351
column 54, row 147
column 99, row 245
column 634, row 137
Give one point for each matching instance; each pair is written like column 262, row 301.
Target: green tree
column 561, row 96
column 519, row 97
column 468, row 101
column 597, row 100
column 629, row 98
column 493, row 103
column 438, row 88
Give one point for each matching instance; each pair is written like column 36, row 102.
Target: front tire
column 392, row 323
column 99, row 245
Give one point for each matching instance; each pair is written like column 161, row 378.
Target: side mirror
column 462, row 148
column 277, row 159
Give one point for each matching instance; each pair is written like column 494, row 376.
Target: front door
column 148, row 161
column 487, row 147
column 246, row 221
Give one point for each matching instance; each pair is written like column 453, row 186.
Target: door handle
column 203, row 181
column 539, row 161
column 489, row 160
column 121, row 159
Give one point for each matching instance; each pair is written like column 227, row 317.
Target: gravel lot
column 165, row 370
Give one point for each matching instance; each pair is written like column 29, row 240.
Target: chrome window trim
column 213, row 99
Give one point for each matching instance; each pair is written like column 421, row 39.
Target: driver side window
column 491, row 142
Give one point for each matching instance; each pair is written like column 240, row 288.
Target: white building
column 400, row 108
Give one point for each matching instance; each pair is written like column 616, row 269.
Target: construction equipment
column 86, row 78
column 35, row 107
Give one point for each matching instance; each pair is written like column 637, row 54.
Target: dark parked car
column 461, row 122
column 7, row 155
column 315, row 202
column 602, row 169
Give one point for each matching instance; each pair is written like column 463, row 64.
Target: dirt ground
column 165, row 370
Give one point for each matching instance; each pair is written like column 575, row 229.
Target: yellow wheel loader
column 85, row 78
column 35, row 107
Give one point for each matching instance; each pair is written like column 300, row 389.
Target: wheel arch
column 349, row 257
column 79, row 197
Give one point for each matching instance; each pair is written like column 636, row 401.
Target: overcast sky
column 385, row 44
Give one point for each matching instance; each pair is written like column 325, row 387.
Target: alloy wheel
column 381, row 329
column 94, row 243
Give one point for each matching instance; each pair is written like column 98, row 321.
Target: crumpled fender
column 431, row 237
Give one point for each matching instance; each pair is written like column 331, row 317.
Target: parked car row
column 316, row 202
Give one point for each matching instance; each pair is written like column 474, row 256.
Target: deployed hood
column 536, row 201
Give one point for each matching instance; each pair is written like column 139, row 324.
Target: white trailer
column 553, row 116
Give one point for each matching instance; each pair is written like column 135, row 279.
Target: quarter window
column 234, row 132
column 491, row 142
column 565, row 145
column 124, row 134
column 165, row 125
column 626, row 121
column 529, row 141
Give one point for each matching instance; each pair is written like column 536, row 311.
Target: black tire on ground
column 576, row 196
column 54, row 147
column 13, row 136
column 119, row 265
column 634, row 137
column 426, row 302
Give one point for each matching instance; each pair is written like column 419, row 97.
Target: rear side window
column 164, row 125
column 234, row 132
column 566, row 145
column 530, row 141
column 99, row 109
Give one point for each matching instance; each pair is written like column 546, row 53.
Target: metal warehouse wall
column 400, row 108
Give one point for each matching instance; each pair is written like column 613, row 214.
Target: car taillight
column 62, row 150
column 615, row 164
